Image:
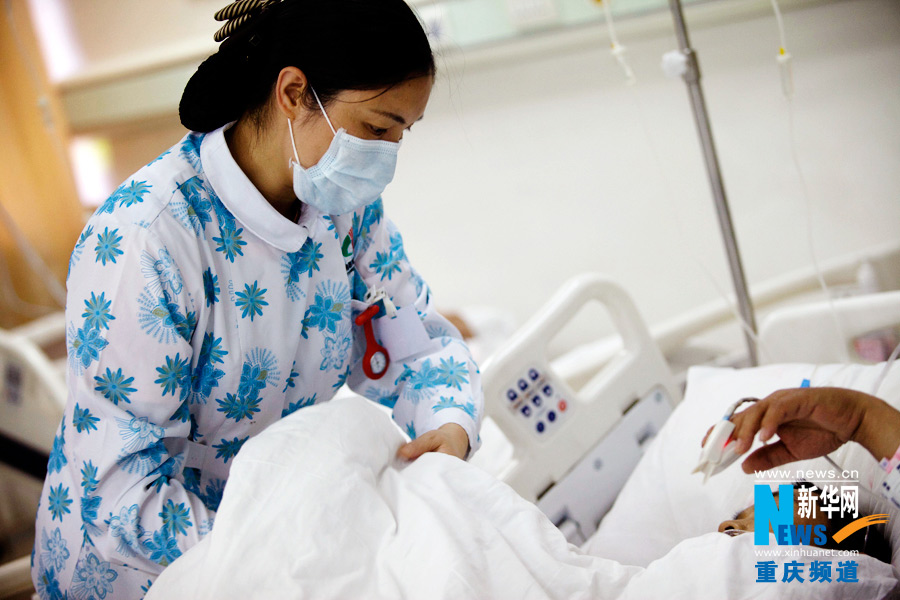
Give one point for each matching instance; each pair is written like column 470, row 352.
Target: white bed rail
column 809, row 332
column 15, row 579
column 841, row 275
column 523, row 393
column 32, row 387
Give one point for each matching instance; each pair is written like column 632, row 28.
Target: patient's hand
column 812, row 422
column 449, row 438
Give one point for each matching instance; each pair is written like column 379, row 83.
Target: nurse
column 246, row 273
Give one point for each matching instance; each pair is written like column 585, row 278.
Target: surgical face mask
column 351, row 174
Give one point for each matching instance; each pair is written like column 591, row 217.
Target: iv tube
column 787, row 86
column 617, row 50
column 784, row 57
column 667, row 185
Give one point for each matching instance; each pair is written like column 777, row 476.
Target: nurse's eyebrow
column 394, row 116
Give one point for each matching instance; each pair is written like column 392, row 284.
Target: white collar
column 246, row 203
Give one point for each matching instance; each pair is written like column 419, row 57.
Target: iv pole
column 701, row 118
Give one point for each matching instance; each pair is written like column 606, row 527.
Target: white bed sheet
column 317, row 506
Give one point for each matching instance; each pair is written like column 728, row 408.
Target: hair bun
column 216, row 93
column 380, row 44
column 219, row 91
column 237, row 14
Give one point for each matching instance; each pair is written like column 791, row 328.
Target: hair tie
column 237, row 14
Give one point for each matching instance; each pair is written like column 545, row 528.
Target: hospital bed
column 32, row 392
column 32, row 399
column 626, row 390
column 610, row 447
column 572, row 450
column 447, row 529
column 707, row 334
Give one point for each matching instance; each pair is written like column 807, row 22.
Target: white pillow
column 663, row 503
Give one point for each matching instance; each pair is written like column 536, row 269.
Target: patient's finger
column 705, row 437
column 768, row 457
column 746, row 424
column 784, row 406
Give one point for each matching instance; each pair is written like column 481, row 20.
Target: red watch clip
column 376, row 359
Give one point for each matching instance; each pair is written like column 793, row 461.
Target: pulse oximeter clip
column 720, row 449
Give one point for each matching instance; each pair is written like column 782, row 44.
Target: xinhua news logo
column 779, row 514
column 805, row 514
column 814, row 506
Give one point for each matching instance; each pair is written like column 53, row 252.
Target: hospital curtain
column 36, row 184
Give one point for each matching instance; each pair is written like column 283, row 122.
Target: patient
column 870, row 540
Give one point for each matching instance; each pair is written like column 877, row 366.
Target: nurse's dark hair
column 338, row 44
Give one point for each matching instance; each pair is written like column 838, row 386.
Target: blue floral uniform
column 197, row 315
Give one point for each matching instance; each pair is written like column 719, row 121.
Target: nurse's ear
column 290, row 92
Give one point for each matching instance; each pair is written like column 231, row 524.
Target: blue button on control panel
column 536, row 398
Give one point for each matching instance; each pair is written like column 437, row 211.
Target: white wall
column 117, row 32
column 524, row 174
column 533, row 166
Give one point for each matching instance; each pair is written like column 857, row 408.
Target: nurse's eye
column 377, row 131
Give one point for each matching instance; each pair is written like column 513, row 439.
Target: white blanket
column 317, row 506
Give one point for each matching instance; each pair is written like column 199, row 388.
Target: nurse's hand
column 450, row 439
column 812, row 422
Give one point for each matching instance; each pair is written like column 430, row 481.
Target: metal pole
column 701, row 118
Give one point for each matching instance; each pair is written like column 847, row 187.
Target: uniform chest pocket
column 403, row 335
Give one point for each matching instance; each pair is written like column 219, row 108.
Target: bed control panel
column 551, row 427
column 538, row 400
